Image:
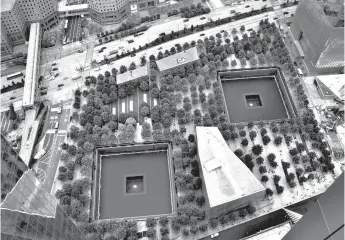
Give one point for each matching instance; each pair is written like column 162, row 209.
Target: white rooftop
column 226, row 177
column 31, row 65
column 62, row 7
column 131, row 75
column 181, row 58
column 335, row 83
column 6, row 5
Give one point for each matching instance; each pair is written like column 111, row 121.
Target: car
column 45, row 92
column 250, row 29
column 221, row 31
column 162, row 34
column 264, row 0
column 54, row 69
column 60, row 85
column 43, row 88
column 130, row 41
column 160, row 48
column 232, row 11
column 56, row 74
column 295, row 63
column 100, row 51
column 286, row 13
column 203, row 34
column 133, row 55
column 247, row 6
column 275, row 18
column 214, row 235
column 103, row 48
column 13, row 97
column 80, row 51
column 53, row 64
column 202, row 18
column 186, row 20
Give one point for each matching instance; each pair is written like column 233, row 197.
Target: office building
column 17, row 15
column 318, row 27
column 108, row 11
column 28, row 211
column 140, row 5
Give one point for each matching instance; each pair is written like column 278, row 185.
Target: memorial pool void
column 135, row 182
column 256, row 94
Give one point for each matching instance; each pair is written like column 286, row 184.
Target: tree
column 262, row 169
column 151, row 222
column 163, row 221
column 280, row 189
column 146, row 130
column 278, row 140
column 266, row 139
column 257, row 149
column 243, row 133
column 72, row 150
column 276, row 179
column 233, row 63
column 239, row 153
column 213, row 223
column 242, row 28
column 245, row 142
column 264, row 179
column 252, row 135
column 269, row 192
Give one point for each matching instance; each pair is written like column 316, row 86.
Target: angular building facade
column 108, row 11
column 320, row 35
column 28, row 211
column 17, row 15
column 228, row 184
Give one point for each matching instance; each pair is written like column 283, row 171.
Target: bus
column 14, row 76
column 40, row 154
column 66, row 24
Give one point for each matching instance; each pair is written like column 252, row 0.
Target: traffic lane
column 64, row 119
column 48, row 141
column 54, row 162
column 53, row 118
column 253, row 226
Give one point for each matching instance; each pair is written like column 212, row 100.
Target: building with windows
column 28, row 211
column 318, row 27
column 228, row 184
column 6, row 46
column 17, row 15
column 108, row 11
column 140, row 5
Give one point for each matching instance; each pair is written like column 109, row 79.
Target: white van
column 56, row 125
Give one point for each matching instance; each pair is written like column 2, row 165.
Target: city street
column 48, row 164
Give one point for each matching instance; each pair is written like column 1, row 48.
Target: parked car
column 42, row 88
column 103, row 48
column 221, row 31
column 232, row 11
column 13, row 97
column 162, row 34
column 130, row 41
column 247, row 6
column 202, row 18
column 250, row 29
column 45, row 92
column 53, row 64
column 275, row 18
column 286, row 13
column 56, row 74
column 80, row 51
column 186, row 20
column 100, row 51
column 203, row 34
column 54, row 69
column 133, row 55
column 60, row 85
column 160, row 48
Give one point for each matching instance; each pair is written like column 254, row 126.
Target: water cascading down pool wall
column 133, row 181
column 256, row 94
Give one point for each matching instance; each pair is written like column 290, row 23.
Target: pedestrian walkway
column 41, row 175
